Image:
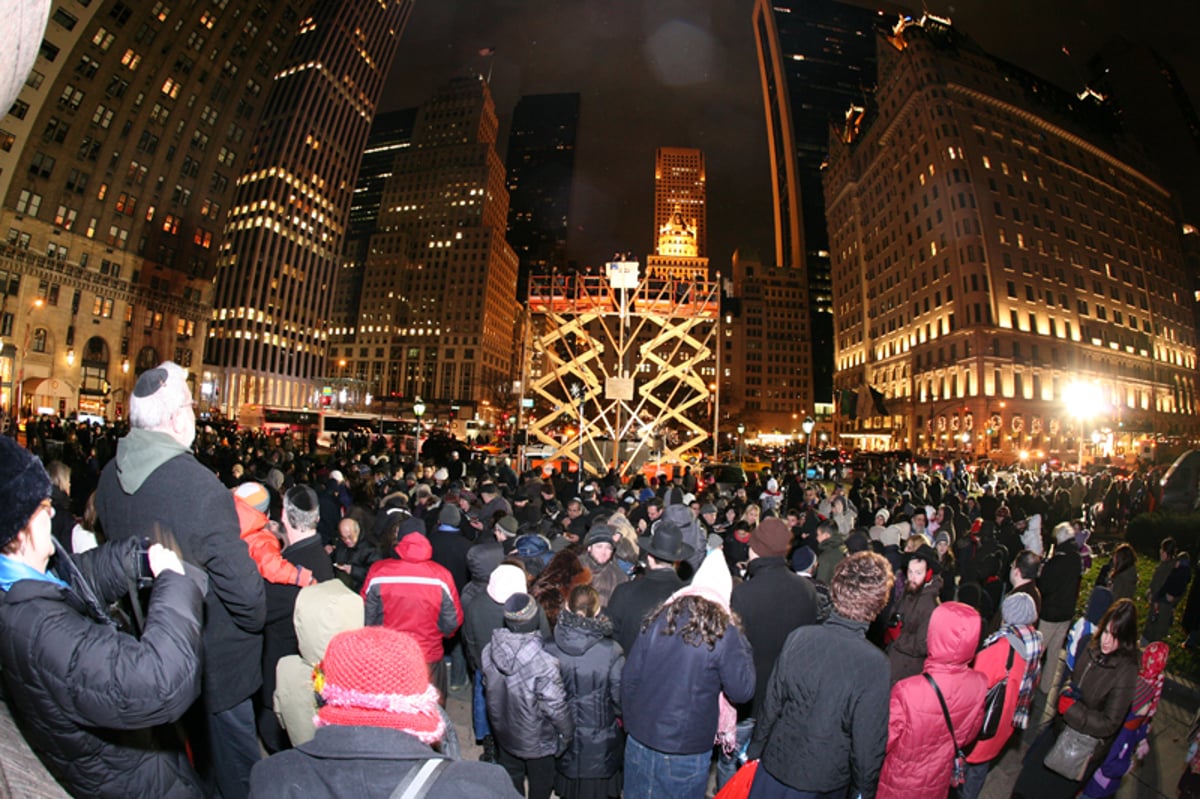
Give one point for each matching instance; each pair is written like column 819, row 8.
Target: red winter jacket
column 413, row 595
column 919, row 750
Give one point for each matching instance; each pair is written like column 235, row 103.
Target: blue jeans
column 650, row 774
column 728, row 765
column 479, row 717
column 976, row 777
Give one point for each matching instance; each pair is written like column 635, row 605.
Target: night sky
column 684, row 73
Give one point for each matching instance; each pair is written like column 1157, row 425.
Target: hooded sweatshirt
column 322, row 611
column 140, row 453
column 526, row 700
column 414, row 595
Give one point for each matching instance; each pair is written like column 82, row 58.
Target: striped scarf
column 1027, row 642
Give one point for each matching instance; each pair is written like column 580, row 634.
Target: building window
column 28, row 203
column 38, row 341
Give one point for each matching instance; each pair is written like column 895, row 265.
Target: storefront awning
column 48, row 387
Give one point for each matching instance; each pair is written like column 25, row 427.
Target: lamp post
column 578, row 394
column 741, row 428
column 418, row 412
column 807, row 426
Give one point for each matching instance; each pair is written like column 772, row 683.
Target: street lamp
column 741, row 428
column 418, row 411
column 577, row 392
column 807, row 426
column 1082, row 401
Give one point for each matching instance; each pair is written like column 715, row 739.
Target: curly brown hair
column 861, row 586
column 552, row 587
column 705, row 623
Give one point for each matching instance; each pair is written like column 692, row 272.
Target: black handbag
column 958, row 774
column 993, row 703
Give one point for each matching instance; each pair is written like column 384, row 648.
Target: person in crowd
column 1059, row 584
column 771, row 602
column 377, row 728
column 413, row 594
column 156, row 489
column 262, row 534
column 1094, row 703
column 922, row 744
column 1167, row 587
column 831, row 548
column 1131, row 739
column 598, row 558
column 60, row 497
column 353, row 555
column 1012, row 655
column 526, row 701
column 632, row 601
column 1120, row 574
column 922, row 587
column 946, row 566
column 322, row 611
column 672, row 724
column 1085, row 626
column 591, row 663
column 89, row 698
column 737, row 539
column 833, row 742
column 553, row 585
column 301, row 512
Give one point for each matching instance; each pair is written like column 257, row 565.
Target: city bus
column 392, row 428
column 287, row 421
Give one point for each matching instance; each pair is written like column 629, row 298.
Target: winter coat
column 87, row 696
column 360, row 558
column 368, row 763
column 483, row 617
column 1105, row 685
column 154, row 488
column 526, row 700
column 482, row 560
column 772, row 601
column 670, row 687
column 820, row 728
column 990, row 663
column 606, row 578
column 1059, row 583
column 413, row 595
column 279, row 635
column 265, row 549
column 907, row 653
column 830, row 554
column 920, row 754
column 632, row 602
column 591, row 664
column 450, row 548
column 322, row 611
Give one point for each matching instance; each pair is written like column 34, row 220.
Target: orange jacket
column 265, row 549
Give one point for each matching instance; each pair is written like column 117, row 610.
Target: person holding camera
column 93, row 701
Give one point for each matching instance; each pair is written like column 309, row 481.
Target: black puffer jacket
column 591, row 664
column 88, row 696
column 526, row 702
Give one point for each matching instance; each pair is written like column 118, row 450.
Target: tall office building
column 816, row 60
column 284, row 235
column 390, row 133
column 117, row 166
column 439, row 290
column 680, row 195
column 1006, row 276
column 541, row 166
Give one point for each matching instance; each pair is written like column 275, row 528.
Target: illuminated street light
column 741, row 428
column 807, row 426
column 1083, row 402
column 418, row 412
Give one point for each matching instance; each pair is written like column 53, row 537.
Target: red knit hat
column 376, row 677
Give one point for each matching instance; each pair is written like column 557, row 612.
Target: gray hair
column 299, row 519
column 154, row 411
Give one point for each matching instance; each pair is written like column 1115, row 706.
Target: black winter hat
column 24, row 485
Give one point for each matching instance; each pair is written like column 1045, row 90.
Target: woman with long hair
column 1094, row 703
column 1120, row 573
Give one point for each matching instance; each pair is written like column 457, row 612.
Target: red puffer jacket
column 413, row 595
column 919, row 749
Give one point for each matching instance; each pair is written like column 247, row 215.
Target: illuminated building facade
column 680, row 201
column 541, row 166
column 285, row 230
column 439, row 301
column 117, row 166
column 816, row 59
column 996, row 257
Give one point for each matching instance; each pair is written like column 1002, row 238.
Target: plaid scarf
column 1027, row 642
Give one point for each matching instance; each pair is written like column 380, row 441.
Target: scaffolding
column 621, row 365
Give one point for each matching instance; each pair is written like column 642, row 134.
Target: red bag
column 739, row 784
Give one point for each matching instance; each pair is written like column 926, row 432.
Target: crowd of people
column 175, row 605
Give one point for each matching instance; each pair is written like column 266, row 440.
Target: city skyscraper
column 390, row 133
column 1008, row 278
column 117, row 166
column 439, row 289
column 816, row 60
column 680, row 195
column 541, row 166
column 285, row 232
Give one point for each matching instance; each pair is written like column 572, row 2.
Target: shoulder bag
column 959, row 773
column 993, row 703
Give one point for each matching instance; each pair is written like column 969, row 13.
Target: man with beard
column 922, row 586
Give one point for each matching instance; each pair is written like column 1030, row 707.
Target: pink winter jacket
column 919, row 750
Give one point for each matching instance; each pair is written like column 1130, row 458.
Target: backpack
column 993, row 703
